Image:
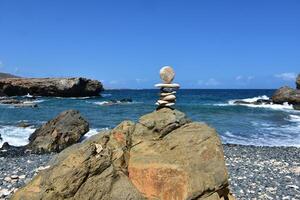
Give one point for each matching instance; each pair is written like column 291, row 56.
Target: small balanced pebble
column 167, row 88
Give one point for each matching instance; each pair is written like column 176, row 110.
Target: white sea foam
column 109, row 103
column 95, row 131
column 38, row 101
column 294, row 118
column 284, row 106
column 253, row 99
column 92, row 132
column 268, row 134
column 271, row 139
column 16, row 136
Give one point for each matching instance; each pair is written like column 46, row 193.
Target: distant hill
column 6, row 75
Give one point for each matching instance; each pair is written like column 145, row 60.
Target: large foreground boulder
column 62, row 87
column 57, row 134
column 163, row 156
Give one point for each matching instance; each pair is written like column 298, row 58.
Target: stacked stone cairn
column 167, row 88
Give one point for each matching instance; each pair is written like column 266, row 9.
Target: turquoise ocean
column 262, row 125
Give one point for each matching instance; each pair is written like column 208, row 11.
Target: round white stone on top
column 167, row 74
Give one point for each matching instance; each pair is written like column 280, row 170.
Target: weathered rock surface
column 298, row 82
column 57, row 134
column 163, row 156
column 286, row 94
column 63, row 87
column 289, row 95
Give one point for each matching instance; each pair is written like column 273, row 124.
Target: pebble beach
column 255, row 172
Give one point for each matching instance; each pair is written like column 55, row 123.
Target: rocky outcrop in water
column 61, row 87
column 18, row 102
column 281, row 96
column 289, row 95
column 286, row 94
column 163, row 156
column 57, row 134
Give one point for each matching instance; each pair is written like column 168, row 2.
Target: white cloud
column 200, row 82
column 140, row 80
column 238, row 78
column 113, row 82
column 250, row 78
column 212, row 82
column 246, row 78
column 209, row 82
column 287, row 76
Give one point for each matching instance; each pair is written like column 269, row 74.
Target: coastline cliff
column 60, row 87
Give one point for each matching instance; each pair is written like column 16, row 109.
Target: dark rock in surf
column 62, row 87
column 57, row 134
column 18, row 103
column 257, row 102
column 23, row 125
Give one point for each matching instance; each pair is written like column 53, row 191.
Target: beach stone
column 163, row 156
column 298, row 82
column 169, row 98
column 57, row 134
column 167, row 74
column 163, row 94
column 162, row 102
column 286, row 94
column 23, row 125
column 80, row 172
column 187, row 162
column 167, row 85
column 170, row 104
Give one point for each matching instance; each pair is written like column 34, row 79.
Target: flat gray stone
column 163, row 94
column 167, row 85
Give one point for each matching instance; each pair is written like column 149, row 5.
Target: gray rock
column 63, row 87
column 286, row 94
column 17, row 103
column 57, row 134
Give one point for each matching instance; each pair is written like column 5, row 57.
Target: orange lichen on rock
column 159, row 182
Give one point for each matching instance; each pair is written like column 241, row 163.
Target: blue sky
column 211, row 44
